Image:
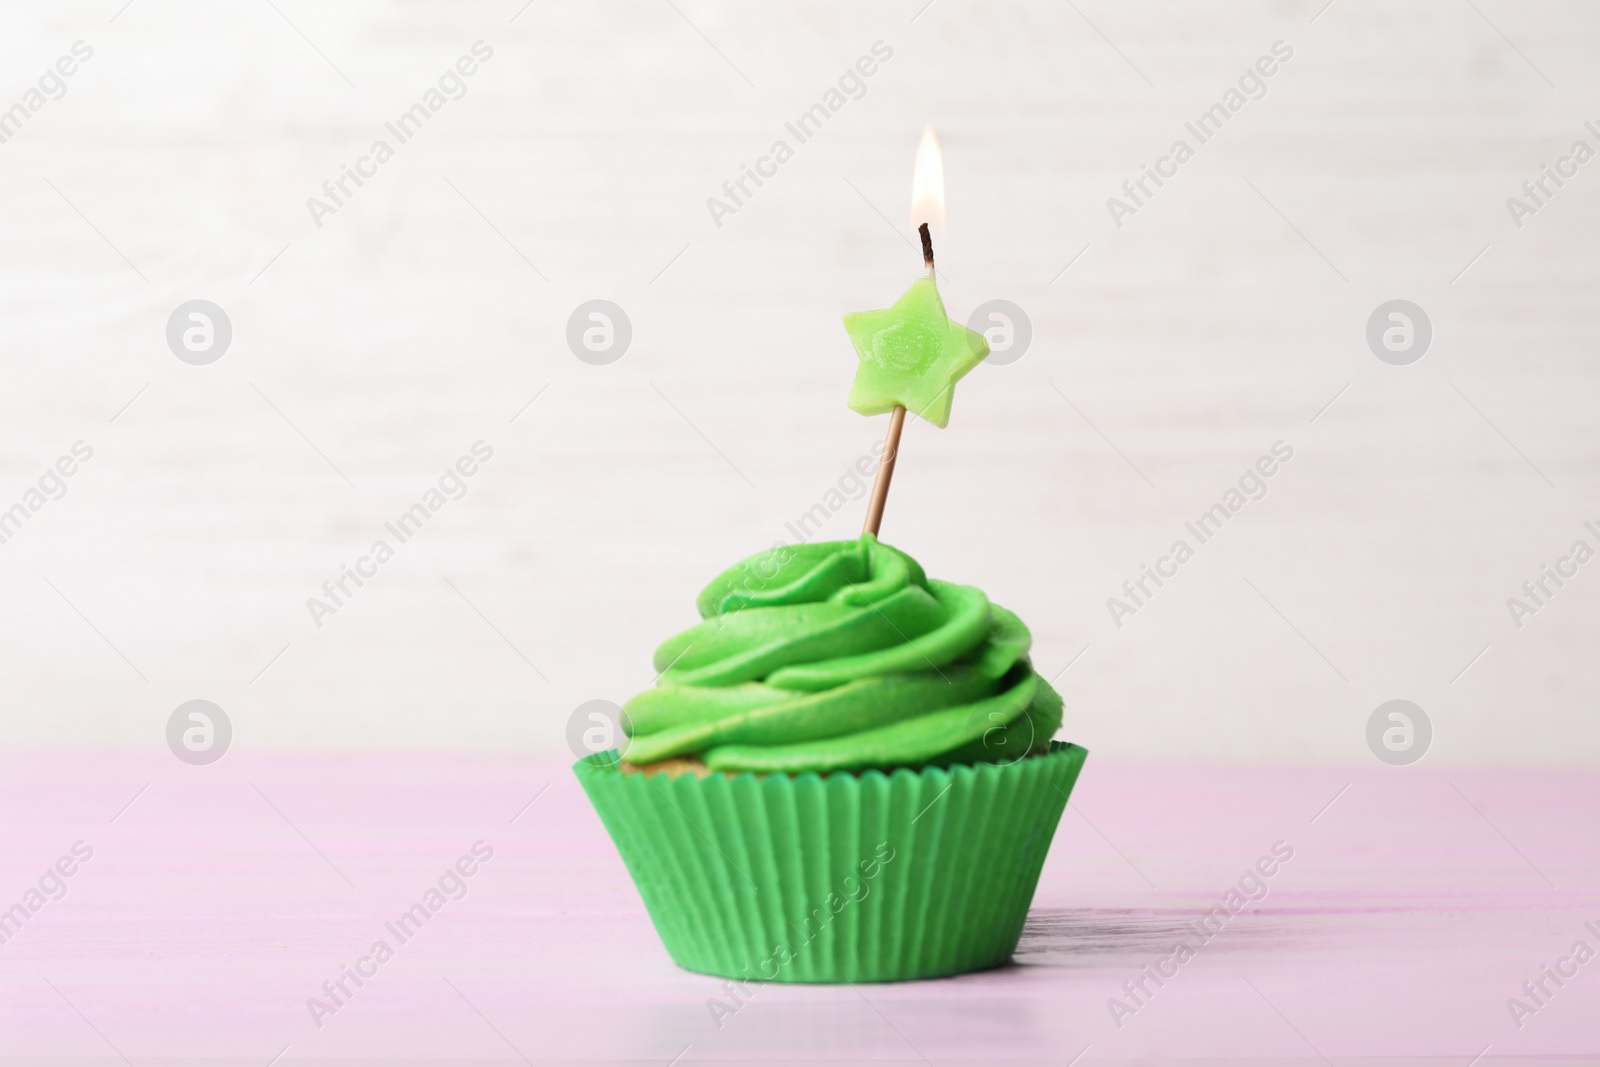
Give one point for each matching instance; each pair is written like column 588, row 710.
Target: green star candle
column 911, row 354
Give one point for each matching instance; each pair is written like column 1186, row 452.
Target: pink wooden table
column 218, row 899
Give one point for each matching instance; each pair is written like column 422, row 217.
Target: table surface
column 219, row 899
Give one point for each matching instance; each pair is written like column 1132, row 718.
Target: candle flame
column 927, row 185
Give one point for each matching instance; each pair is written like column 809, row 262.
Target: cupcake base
column 843, row 877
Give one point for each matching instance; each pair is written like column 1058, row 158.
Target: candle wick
column 927, row 247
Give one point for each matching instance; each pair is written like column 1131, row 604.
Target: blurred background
column 374, row 338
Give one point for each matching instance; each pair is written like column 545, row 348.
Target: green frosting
column 838, row 656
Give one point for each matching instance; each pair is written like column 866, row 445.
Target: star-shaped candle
column 912, row 353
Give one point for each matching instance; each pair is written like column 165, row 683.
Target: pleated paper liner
column 841, row 877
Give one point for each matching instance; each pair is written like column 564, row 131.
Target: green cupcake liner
column 842, row 877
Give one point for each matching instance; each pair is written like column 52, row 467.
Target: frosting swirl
column 842, row 655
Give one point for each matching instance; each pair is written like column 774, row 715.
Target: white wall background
column 1219, row 319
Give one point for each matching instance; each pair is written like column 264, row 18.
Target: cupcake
column 845, row 771
column 844, row 774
